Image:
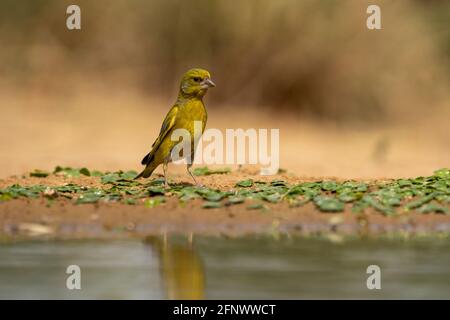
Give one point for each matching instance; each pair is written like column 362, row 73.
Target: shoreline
column 227, row 207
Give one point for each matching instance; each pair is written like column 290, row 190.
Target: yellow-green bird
column 187, row 109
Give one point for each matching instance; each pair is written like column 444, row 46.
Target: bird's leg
column 166, row 183
column 165, row 239
column 191, row 239
column 190, row 173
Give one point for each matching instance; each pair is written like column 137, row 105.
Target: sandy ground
column 114, row 130
column 63, row 219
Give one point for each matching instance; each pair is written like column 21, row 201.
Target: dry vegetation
column 310, row 57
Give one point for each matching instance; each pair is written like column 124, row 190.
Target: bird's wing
column 168, row 124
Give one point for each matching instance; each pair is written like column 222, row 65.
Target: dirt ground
column 109, row 131
column 63, row 219
column 112, row 131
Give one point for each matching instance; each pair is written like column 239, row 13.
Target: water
column 218, row 268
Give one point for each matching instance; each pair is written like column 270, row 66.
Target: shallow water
column 217, row 268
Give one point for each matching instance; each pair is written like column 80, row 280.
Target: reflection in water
column 181, row 268
column 241, row 268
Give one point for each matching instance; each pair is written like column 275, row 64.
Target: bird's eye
column 197, row 79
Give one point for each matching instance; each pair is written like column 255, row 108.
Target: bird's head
column 195, row 83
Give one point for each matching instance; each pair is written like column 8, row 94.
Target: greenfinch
column 187, row 109
column 181, row 268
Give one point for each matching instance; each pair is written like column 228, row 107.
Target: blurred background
column 349, row 102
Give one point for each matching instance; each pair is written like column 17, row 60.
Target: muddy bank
column 33, row 218
column 60, row 216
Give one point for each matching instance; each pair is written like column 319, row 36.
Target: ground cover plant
column 429, row 194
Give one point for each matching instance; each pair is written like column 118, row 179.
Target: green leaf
column 96, row 173
column 443, row 198
column 187, row 193
column 130, row 201
column 234, row 200
column 277, row 183
column 110, row 178
column 354, row 186
column 85, row 172
column 294, row 203
column 295, row 190
column 347, row 197
column 275, row 197
column 359, row 206
column 122, row 178
column 377, row 205
column 67, row 171
column 259, row 182
column 419, row 202
column 113, row 197
column 39, row 174
column 443, row 173
column 214, row 196
column 58, row 169
column 157, row 182
column 256, row 206
column 132, row 191
column 211, row 205
column 205, row 171
column 329, row 186
column 404, row 183
column 156, row 191
column 431, row 207
column 245, row 183
column 129, row 175
column 154, row 202
column 391, row 201
column 68, row 188
column 328, row 204
column 90, row 197
column 17, row 190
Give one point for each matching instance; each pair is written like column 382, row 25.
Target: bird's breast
column 192, row 112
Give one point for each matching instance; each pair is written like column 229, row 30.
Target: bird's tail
column 147, row 172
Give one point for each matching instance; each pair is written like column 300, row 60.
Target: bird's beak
column 209, row 83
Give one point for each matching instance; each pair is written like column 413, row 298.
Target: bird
column 188, row 108
column 181, row 267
